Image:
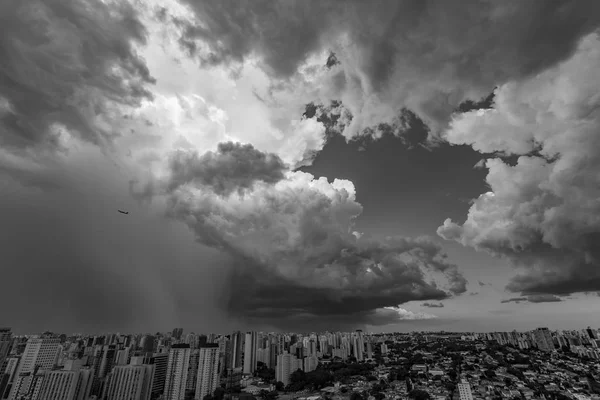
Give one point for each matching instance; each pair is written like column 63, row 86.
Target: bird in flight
column 123, row 212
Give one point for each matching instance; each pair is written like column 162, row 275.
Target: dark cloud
column 295, row 254
column 424, row 55
column 75, row 264
column 514, row 300
column 543, row 165
column 233, row 167
column 66, row 65
column 433, row 305
column 535, row 298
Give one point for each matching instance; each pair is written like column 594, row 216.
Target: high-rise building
column 177, row 369
column 73, row 382
column 543, row 339
column 193, row 370
column 208, row 371
column 236, row 350
column 5, row 346
column 40, row 354
column 286, row 365
column 177, row 333
column 464, row 390
column 160, row 362
column 130, row 382
column 250, row 352
column 310, row 363
column 147, row 343
column 10, row 371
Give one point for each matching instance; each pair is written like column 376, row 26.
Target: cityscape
column 360, row 199
column 540, row 364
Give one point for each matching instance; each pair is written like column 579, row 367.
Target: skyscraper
column 250, row 352
column 177, row 369
column 208, row 371
column 236, row 350
column 130, row 382
column 543, row 339
column 160, row 362
column 39, row 352
column 193, row 370
column 177, row 332
column 286, row 365
column 5, row 345
column 71, row 383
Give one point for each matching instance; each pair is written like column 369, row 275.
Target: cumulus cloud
column 233, row 167
column 428, row 57
column 66, row 67
column 433, row 305
column 535, row 298
column 542, row 210
column 293, row 243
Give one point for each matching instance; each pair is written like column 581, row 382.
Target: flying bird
column 123, row 212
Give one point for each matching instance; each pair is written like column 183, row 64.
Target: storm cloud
column 427, row 56
column 433, row 305
column 294, row 248
column 67, row 71
column 541, row 212
column 535, row 298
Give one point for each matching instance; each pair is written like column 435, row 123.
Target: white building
column 464, row 390
column 208, row 371
column 71, row 383
column 39, row 352
column 250, row 348
column 286, row 365
column 177, row 371
column 130, row 382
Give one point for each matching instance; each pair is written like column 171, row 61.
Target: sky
column 299, row 165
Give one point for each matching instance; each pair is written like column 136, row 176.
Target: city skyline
column 321, row 166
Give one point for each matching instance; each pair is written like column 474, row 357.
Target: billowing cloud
column 534, row 298
column 293, row 241
column 542, row 210
column 66, row 67
column 425, row 56
column 433, row 305
column 233, row 167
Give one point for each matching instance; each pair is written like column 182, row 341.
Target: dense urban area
column 539, row 364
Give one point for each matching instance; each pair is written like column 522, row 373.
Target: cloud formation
column 67, row 71
column 426, row 56
column 294, row 248
column 535, row 298
column 542, row 210
column 433, row 305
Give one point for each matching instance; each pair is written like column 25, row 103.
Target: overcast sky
column 299, row 165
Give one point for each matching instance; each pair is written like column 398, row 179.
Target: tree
column 298, row 376
column 207, row 397
column 279, row 386
column 356, row 396
column 418, row 394
column 219, row 393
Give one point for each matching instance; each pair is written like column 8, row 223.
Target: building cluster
column 502, row 365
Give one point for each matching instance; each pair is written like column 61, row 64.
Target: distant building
column 130, row 382
column 286, row 365
column 73, row 382
column 160, row 362
column 250, row 352
column 464, row 390
column 208, row 371
column 543, row 339
column 177, row 370
column 39, row 354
